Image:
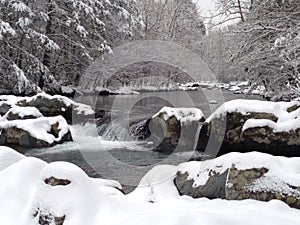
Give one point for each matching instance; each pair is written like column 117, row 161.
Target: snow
column 24, row 22
column 6, row 28
column 285, row 126
column 80, row 201
column 82, row 31
column 17, row 188
column 8, row 156
column 23, row 111
column 157, row 185
column 67, row 89
column 21, row 7
column 79, row 107
column 213, row 102
column 281, row 169
column 23, row 192
column 182, row 114
column 23, row 82
column 39, row 127
column 234, row 88
column 242, row 106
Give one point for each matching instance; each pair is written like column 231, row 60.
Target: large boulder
column 238, row 176
column 22, row 113
column 175, row 128
column 39, row 132
column 56, row 105
column 252, row 125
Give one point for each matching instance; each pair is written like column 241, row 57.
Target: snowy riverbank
column 33, row 193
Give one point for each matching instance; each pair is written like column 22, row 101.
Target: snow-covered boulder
column 252, row 125
column 56, row 105
column 17, row 112
column 66, row 195
column 238, row 176
column 39, row 132
column 175, row 127
column 8, row 156
column 17, row 189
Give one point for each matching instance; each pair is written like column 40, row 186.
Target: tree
column 229, row 11
column 52, row 41
column 172, row 20
column 269, row 47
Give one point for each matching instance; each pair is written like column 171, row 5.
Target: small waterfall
column 114, row 132
column 120, row 131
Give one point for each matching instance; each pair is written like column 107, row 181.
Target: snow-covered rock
column 58, row 105
column 39, row 132
column 40, row 120
column 175, row 127
column 48, row 106
column 65, row 195
column 238, row 176
column 17, row 112
column 252, row 125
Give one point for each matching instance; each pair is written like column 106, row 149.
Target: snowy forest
column 49, row 43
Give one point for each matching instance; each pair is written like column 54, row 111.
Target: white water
column 86, row 138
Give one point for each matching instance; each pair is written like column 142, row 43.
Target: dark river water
column 115, row 155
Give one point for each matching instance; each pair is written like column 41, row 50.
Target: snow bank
column 8, row 156
column 156, row 186
column 33, row 191
column 182, row 114
column 40, row 128
column 17, row 189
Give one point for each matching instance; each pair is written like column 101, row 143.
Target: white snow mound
column 182, row 114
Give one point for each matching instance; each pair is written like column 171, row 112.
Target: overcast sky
column 205, row 5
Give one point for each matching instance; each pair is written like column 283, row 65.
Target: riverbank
column 61, row 193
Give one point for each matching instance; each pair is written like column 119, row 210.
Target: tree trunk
column 241, row 11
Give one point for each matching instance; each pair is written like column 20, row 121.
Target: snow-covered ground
column 32, row 190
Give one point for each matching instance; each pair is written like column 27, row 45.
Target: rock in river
column 252, row 125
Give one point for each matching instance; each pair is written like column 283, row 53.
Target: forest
column 48, row 44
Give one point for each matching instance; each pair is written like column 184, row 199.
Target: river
column 114, row 154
